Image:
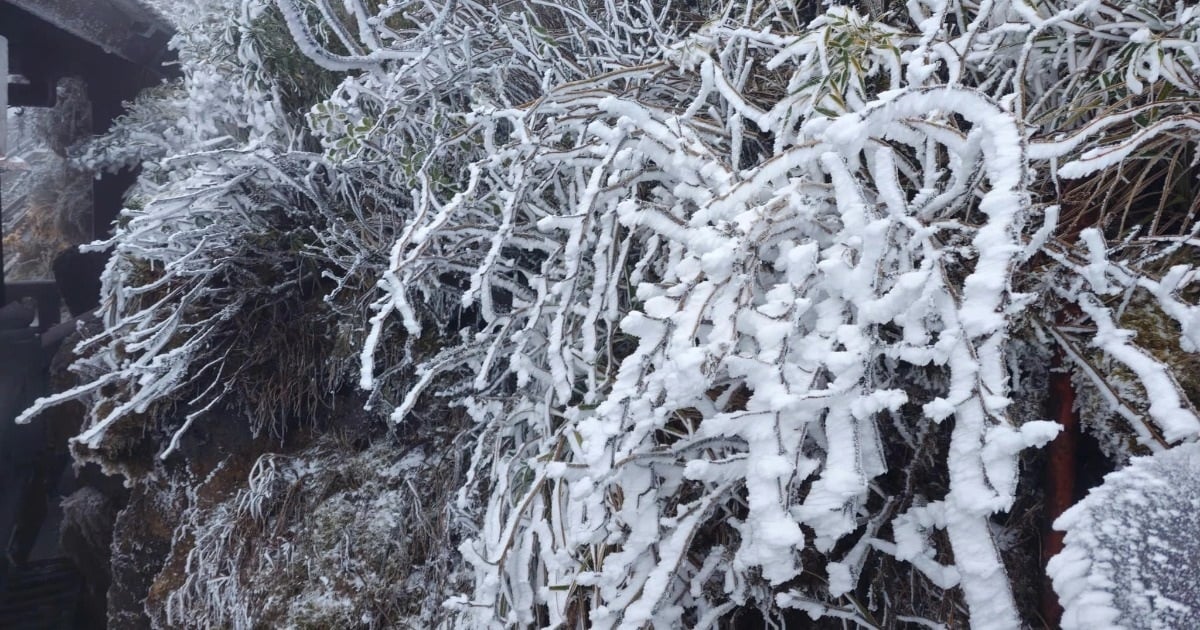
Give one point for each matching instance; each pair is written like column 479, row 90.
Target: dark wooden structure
column 117, row 48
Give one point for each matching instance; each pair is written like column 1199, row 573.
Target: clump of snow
column 1132, row 555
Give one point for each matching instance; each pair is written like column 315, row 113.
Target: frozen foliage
column 211, row 252
column 318, row 539
column 737, row 297
column 1131, row 557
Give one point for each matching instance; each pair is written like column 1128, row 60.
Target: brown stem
column 1061, row 466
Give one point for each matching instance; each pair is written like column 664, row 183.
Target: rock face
column 322, row 538
column 147, row 531
column 141, row 541
column 92, row 499
column 85, row 535
column 315, row 530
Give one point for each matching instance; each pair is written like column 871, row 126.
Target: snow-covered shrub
column 723, row 264
column 214, row 257
column 1132, row 557
column 738, row 300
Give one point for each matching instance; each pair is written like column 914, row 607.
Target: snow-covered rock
column 1132, row 556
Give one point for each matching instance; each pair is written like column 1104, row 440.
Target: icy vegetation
column 1131, row 554
column 747, row 303
column 320, row 539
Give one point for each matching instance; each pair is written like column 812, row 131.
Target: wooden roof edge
column 126, row 28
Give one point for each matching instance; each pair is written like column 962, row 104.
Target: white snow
column 1132, row 557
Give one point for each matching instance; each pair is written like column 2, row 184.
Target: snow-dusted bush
column 722, row 264
column 739, row 300
column 214, row 255
column 1132, row 557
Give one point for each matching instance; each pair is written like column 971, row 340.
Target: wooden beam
column 125, row 28
column 3, row 150
column 1062, row 464
column 4, row 96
